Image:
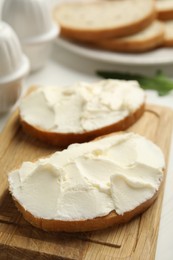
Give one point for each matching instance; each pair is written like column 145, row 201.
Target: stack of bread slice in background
column 118, row 25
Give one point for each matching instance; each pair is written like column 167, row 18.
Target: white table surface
column 67, row 68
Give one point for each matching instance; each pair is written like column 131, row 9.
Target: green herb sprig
column 160, row 83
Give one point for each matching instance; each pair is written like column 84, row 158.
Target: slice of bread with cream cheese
column 64, row 115
column 89, row 186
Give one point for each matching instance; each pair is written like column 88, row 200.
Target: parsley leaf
column 160, row 83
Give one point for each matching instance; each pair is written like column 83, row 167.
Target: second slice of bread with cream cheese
column 89, row 186
column 79, row 113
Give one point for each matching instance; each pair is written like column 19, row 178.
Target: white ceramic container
column 14, row 66
column 32, row 21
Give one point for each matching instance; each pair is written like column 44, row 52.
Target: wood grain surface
column 19, row 240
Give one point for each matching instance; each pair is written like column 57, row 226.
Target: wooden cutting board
column 19, row 240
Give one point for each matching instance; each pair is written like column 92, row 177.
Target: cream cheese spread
column 82, row 107
column 118, row 172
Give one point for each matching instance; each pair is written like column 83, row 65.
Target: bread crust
column 132, row 46
column 168, row 43
column 85, row 225
column 95, row 35
column 64, row 139
column 165, row 15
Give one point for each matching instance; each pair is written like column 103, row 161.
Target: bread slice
column 70, row 223
column 164, row 9
column 168, row 39
column 145, row 40
column 103, row 19
column 63, row 139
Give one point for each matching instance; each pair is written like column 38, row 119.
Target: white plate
column 161, row 56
